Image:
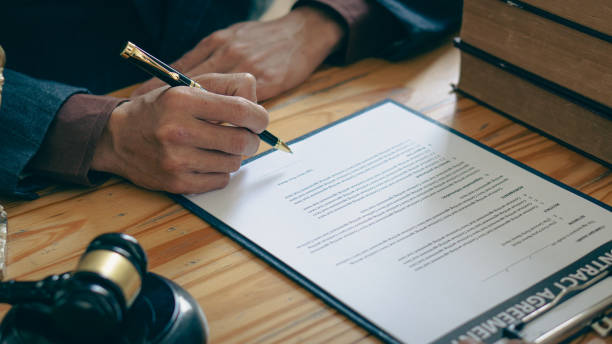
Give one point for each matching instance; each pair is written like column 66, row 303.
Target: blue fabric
column 28, row 107
column 77, row 42
column 425, row 22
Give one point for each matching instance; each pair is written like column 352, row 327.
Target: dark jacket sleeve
column 423, row 24
column 368, row 27
column 28, row 108
column 392, row 29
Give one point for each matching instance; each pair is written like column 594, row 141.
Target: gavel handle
column 43, row 291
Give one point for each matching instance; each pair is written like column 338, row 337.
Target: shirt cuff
column 68, row 147
column 370, row 27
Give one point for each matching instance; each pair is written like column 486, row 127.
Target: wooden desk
column 245, row 300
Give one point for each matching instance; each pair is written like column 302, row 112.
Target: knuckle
column 162, row 133
column 247, row 85
column 218, row 37
column 236, row 51
column 167, row 165
column 213, row 39
column 266, row 74
column 171, row 165
column 174, row 97
column 247, row 79
column 171, row 133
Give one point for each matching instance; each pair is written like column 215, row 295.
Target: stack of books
column 547, row 63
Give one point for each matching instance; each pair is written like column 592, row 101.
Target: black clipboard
column 450, row 337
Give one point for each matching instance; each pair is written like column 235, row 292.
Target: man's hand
column 173, row 139
column 281, row 54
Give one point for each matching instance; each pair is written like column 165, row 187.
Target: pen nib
column 280, row 145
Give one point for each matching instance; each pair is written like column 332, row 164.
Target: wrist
column 104, row 158
column 324, row 26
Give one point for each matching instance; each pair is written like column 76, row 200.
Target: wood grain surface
column 244, row 299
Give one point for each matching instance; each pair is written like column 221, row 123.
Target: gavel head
column 107, row 280
column 109, row 298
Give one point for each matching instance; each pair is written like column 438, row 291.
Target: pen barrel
column 268, row 138
column 153, row 66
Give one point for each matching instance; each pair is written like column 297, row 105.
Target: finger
column 271, row 80
column 193, row 182
column 209, row 106
column 206, row 136
column 217, row 62
column 202, row 51
column 225, row 58
column 231, row 140
column 175, row 160
column 237, row 111
column 236, row 84
column 205, row 161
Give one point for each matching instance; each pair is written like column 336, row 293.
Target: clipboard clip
column 597, row 316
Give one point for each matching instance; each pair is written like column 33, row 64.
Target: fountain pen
column 172, row 77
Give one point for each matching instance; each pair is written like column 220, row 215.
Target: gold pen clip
column 133, row 51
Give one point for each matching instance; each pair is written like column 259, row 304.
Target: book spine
column 548, row 85
column 571, row 24
column 532, row 128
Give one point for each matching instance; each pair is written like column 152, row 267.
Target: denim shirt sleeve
column 27, row 109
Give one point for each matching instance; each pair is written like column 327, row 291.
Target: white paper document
column 426, row 235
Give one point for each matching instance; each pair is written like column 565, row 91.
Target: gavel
column 109, row 298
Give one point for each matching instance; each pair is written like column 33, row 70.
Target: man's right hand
column 181, row 139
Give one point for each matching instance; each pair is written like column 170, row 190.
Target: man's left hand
column 281, row 53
